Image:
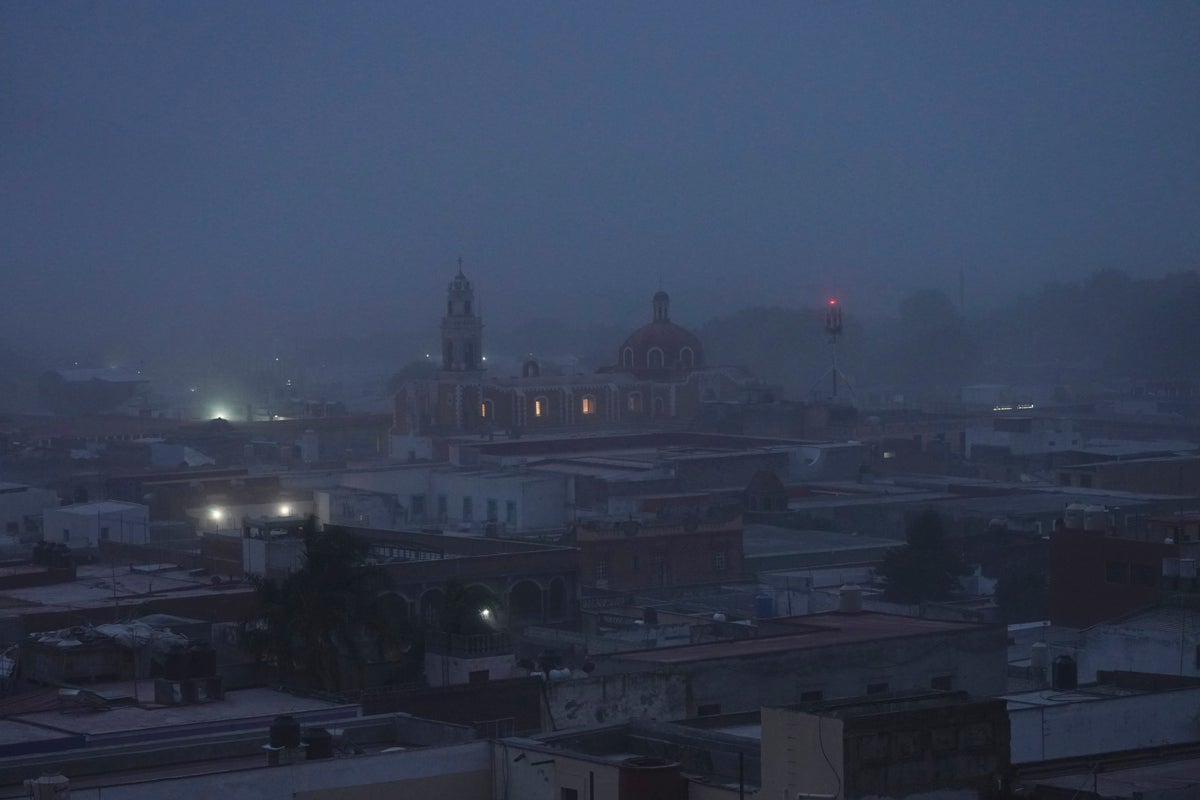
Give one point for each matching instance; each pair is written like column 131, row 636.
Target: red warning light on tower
column 833, row 319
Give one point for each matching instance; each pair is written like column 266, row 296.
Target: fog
column 202, row 189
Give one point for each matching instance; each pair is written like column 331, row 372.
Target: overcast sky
column 170, row 169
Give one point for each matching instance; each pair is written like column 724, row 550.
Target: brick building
column 631, row 555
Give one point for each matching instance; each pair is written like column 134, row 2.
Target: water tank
column 1065, row 674
column 764, row 606
column 285, row 731
column 644, row 776
column 320, row 744
column 850, row 599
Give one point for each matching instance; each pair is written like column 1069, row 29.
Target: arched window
column 467, row 308
column 541, row 406
column 530, row 369
column 486, row 409
column 588, row 404
column 634, row 402
column 658, row 406
column 627, row 358
column 654, row 358
column 448, row 359
column 687, row 358
column 469, row 355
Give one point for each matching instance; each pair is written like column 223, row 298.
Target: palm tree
column 327, row 612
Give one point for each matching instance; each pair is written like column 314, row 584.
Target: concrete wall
column 1106, row 725
column 130, row 524
column 460, row 772
column 518, row 775
column 442, row 670
column 616, row 698
column 801, row 753
column 975, row 660
column 17, row 505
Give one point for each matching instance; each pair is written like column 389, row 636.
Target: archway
column 525, row 602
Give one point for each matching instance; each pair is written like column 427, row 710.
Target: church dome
column 660, row 347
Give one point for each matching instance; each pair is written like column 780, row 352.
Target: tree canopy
column 925, row 568
column 327, row 613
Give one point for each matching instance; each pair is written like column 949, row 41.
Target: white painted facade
column 1051, row 724
column 87, row 524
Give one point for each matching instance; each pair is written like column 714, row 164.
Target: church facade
column 659, row 375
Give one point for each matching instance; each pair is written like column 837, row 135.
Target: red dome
column 661, row 346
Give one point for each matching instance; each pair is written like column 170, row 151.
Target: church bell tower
column 462, row 328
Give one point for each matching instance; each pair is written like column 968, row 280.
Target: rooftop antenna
column 833, row 330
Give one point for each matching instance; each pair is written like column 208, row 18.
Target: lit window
column 540, row 407
column 635, row 402
column 485, row 409
column 589, row 404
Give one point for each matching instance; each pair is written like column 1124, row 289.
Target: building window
column 877, row 688
column 491, row 509
column 1116, row 572
column 627, row 358
column 942, row 683
column 510, row 514
column 588, row 404
column 568, row 794
column 686, row 357
column 601, row 569
column 634, row 402
column 66, row 534
column 417, row 504
column 719, row 562
column 467, row 510
column 104, row 534
column 442, row 508
column 654, row 358
column 541, row 406
column 485, row 409
column 1085, row 480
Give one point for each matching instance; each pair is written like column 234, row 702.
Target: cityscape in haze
column 568, row 401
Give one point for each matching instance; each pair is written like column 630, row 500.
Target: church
column 659, row 376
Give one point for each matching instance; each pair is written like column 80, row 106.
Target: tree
column 925, row 568
column 323, row 614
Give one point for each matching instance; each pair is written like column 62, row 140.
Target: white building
column 87, row 524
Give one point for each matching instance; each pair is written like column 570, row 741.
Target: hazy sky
column 170, row 169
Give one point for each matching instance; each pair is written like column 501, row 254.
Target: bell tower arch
column 462, row 327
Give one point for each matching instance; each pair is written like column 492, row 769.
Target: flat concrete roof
column 102, row 583
column 813, row 631
column 102, row 507
column 759, row 539
column 241, row 709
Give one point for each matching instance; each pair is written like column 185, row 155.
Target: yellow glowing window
column 539, row 407
column 589, row 405
column 483, row 409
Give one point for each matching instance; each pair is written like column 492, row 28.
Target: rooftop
column 102, row 507
column 813, row 631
